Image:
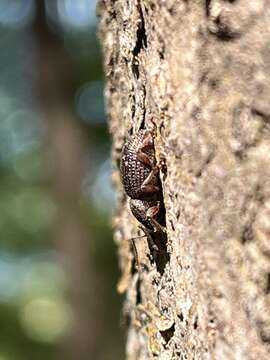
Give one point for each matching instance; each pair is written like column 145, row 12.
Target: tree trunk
column 200, row 71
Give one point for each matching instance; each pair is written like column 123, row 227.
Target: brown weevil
column 138, row 167
column 141, row 181
column 140, row 178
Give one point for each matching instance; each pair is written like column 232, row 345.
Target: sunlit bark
column 200, row 71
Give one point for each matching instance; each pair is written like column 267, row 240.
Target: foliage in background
column 35, row 313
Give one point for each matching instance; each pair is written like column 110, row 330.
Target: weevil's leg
column 144, row 159
column 150, row 188
column 147, row 143
column 149, row 237
column 155, row 127
column 151, row 213
column 148, row 184
column 156, row 225
column 136, row 256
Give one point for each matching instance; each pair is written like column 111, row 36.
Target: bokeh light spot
column 16, row 13
column 32, row 209
column 102, row 191
column 25, row 277
column 18, row 132
column 46, row 319
column 44, row 277
column 77, row 14
column 29, row 165
column 90, row 102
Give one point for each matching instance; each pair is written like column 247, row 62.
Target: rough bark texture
column 201, row 71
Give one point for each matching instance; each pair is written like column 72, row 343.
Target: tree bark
column 200, row 71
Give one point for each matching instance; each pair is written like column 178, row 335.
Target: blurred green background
column 58, row 266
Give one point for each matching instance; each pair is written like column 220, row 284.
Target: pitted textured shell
column 133, row 171
column 139, row 210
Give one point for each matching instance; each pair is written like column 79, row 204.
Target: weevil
column 140, row 178
column 139, row 170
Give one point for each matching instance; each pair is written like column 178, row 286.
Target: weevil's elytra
column 138, row 167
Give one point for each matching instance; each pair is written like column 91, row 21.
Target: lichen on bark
column 199, row 70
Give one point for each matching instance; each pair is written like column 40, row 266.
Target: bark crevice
column 200, row 72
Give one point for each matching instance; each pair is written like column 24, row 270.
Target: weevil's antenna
column 136, row 256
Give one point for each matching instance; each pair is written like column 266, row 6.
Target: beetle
column 140, row 178
column 138, row 168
